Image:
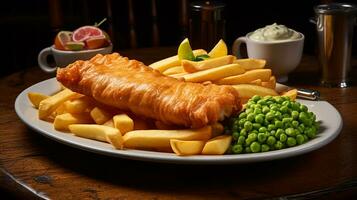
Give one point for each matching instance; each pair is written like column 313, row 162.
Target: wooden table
column 34, row 166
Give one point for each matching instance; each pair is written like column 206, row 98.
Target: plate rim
column 161, row 157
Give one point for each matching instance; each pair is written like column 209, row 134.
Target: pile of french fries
column 248, row 76
column 84, row 117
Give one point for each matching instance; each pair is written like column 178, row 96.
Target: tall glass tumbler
column 206, row 24
column 334, row 25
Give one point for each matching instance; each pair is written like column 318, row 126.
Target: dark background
column 29, row 26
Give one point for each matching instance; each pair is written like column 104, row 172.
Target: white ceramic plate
column 325, row 112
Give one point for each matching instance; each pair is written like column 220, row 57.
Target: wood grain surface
column 33, row 166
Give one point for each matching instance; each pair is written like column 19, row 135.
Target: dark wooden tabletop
column 33, row 166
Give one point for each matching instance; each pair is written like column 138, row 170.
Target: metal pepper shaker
column 334, row 24
column 206, row 24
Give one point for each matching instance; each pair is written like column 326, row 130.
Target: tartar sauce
column 274, row 32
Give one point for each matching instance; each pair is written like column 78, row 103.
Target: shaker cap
column 207, row 5
column 336, row 8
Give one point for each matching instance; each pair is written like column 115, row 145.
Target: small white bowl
column 64, row 58
column 282, row 56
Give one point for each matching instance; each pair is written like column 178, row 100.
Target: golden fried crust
column 130, row 85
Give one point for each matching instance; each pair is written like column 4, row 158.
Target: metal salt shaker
column 206, row 24
column 335, row 23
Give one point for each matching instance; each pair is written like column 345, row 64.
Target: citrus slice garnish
column 75, row 46
column 85, row 32
column 219, row 50
column 62, row 38
column 185, row 51
column 97, row 42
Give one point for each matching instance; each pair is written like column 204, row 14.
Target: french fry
column 291, row 93
column 214, row 73
column 247, row 77
column 185, row 148
column 192, row 66
column 217, row 145
column 48, row 105
column 96, row 132
column 256, row 82
column 250, row 63
column 62, row 121
column 109, row 123
column 79, row 105
column 247, row 91
column 270, row 84
column 172, row 61
column 160, row 139
column 173, row 70
column 100, row 116
column 115, row 139
column 35, row 98
column 123, row 122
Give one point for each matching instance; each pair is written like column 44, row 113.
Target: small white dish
column 325, row 112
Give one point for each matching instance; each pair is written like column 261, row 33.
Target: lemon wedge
column 219, row 50
column 185, row 51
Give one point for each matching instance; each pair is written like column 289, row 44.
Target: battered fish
column 131, row 86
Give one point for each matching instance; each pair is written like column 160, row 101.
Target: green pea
column 256, row 98
column 310, row 132
column 253, row 136
column 256, row 106
column 274, row 107
column 241, row 122
column 249, row 110
column 262, row 102
column 278, row 115
column 253, row 131
column 235, row 135
column 278, row 145
column 285, row 115
column 306, row 138
column 248, row 141
column 259, row 118
column 301, row 127
column 265, row 109
column 295, row 106
column 247, row 150
column 287, row 120
column 283, row 109
column 297, row 131
column 283, row 137
column 279, row 132
column 257, row 111
column 291, row 141
column 290, row 132
column 262, row 129
column 278, row 124
column 256, row 126
column 265, row 148
column 300, row 139
column 303, row 108
column 317, row 125
column 272, row 132
column 255, row 147
column 241, row 140
column 236, row 149
column 271, row 127
column 266, row 122
column 242, row 115
column 243, row 132
column 269, row 116
column 248, row 125
column 295, row 124
column 262, row 137
column 271, row 140
column 250, row 117
column 295, row 114
column 303, row 116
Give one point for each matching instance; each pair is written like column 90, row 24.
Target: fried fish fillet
column 131, row 86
